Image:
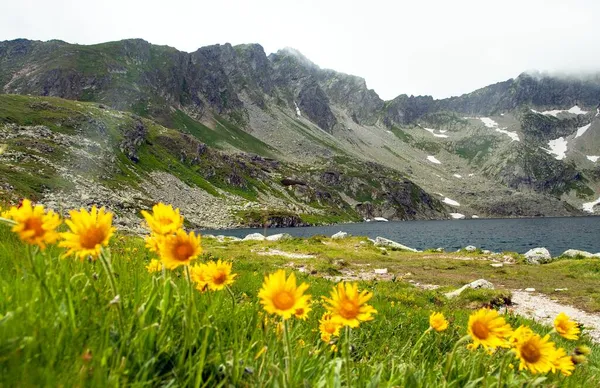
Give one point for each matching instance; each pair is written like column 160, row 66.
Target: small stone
column 479, row 283
column 254, row 237
column 339, row 235
column 381, row 271
column 561, row 289
column 486, row 252
column 470, row 248
column 530, row 289
column 541, row 314
column 278, row 237
column 497, row 265
column 384, row 242
column 575, row 253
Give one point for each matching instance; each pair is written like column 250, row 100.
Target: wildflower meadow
column 83, row 305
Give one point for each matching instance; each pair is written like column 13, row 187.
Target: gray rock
column 486, row 252
column 381, row 271
column 279, row 236
column 530, row 289
column 479, row 283
column 575, row 253
column 339, row 235
column 439, row 249
column 254, row 237
column 470, row 248
column 208, row 236
column 384, row 242
column 538, row 256
column 497, row 265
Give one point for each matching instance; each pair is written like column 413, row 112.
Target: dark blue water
column 517, row 235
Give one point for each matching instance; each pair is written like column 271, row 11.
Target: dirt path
column 542, row 309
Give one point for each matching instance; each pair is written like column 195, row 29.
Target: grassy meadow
column 61, row 324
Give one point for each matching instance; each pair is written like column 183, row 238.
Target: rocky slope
column 69, row 154
column 528, row 146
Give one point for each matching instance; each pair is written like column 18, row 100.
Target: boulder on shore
column 278, row 237
column 576, row 252
column 538, row 256
column 479, row 283
column 254, row 237
column 384, row 242
column 470, row 248
column 339, row 235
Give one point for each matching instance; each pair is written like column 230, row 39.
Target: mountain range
column 238, row 137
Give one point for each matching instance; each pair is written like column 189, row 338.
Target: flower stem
column 451, row 358
column 347, row 357
column 232, row 297
column 290, row 357
column 43, row 286
column 113, row 285
column 502, row 368
column 417, row 344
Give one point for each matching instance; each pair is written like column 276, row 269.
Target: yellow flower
column 438, row 322
column 164, row 219
column 153, row 242
column 329, row 327
column 197, row 273
column 488, row 329
column 566, row 327
column 154, row 266
column 179, row 249
column 563, row 363
column 302, row 312
column 218, row 275
column 281, row 296
column 348, row 305
column 535, row 353
column 89, row 232
column 34, row 225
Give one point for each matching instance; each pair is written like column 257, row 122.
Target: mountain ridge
column 283, row 106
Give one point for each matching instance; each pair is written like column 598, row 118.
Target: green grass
column 64, row 330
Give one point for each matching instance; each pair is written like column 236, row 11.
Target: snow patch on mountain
column 433, row 159
column 297, row 110
column 457, row 216
column 558, row 148
column 592, row 158
column 581, row 130
column 494, row 125
column 574, row 110
column 432, row 131
column 589, row 206
column 450, row 202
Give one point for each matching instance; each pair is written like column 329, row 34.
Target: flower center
column 480, row 330
column 93, row 236
column 283, row 300
column 530, row 352
column 219, row 278
column 35, row 224
column 562, row 327
column 183, row 252
column 165, row 221
column 348, row 309
column 330, row 327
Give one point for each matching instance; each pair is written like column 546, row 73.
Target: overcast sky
column 441, row 48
